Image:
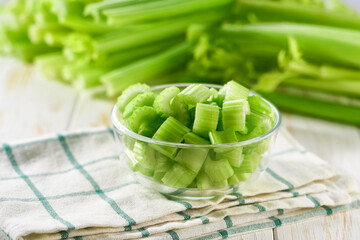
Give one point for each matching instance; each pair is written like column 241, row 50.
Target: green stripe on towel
column 328, row 210
column 313, row 200
column 276, row 220
column 92, row 181
column 224, row 234
column 204, row 220
column 228, row 222
column 115, row 157
column 261, row 208
column 277, row 177
column 186, row 204
column 144, row 232
column 173, row 235
column 34, row 189
column 184, row 215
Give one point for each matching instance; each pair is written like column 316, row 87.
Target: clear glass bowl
column 126, row 138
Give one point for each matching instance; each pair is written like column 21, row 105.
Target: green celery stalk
column 272, row 11
column 95, row 9
column 146, row 68
column 51, row 64
column 315, row 107
column 324, row 44
column 342, row 86
column 159, row 10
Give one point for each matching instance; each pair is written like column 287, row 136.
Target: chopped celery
column 162, row 102
column 180, row 109
column 204, row 182
column 144, row 154
column 192, row 159
column 129, row 94
column 234, row 156
column 192, row 138
column 234, row 115
column 221, row 137
column 178, row 176
column 141, row 116
column 165, row 121
column 206, row 119
column 233, row 91
column 250, row 163
column 143, row 99
column 170, row 131
column 195, row 93
column 218, row 170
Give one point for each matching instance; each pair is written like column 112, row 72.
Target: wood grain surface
column 32, row 106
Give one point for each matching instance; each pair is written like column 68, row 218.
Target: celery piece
column 233, row 91
column 233, row 180
column 158, row 176
column 238, row 177
column 163, row 163
column 142, row 99
column 234, row 156
column 140, row 117
column 170, row 131
column 221, row 137
column 144, row 154
column 250, row 163
column 195, row 93
column 218, row 170
column 162, row 102
column 234, row 115
column 178, row 176
column 259, row 105
column 180, row 110
column 192, row 159
column 192, row 138
column 260, row 121
column 204, row 182
column 146, row 171
column 206, row 119
column 129, row 93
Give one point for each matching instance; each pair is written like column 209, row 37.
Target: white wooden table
column 31, row 106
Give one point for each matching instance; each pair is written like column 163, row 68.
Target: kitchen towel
column 74, row 186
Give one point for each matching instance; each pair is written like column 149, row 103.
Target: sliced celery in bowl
column 195, row 141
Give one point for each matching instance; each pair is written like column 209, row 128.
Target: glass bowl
column 262, row 146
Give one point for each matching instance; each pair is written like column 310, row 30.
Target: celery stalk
column 314, row 107
column 146, row 68
column 272, row 11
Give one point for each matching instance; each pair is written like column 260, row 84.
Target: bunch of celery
column 273, row 48
column 108, row 44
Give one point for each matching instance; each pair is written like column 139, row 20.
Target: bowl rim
column 121, row 128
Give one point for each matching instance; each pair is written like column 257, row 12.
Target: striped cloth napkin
column 74, row 186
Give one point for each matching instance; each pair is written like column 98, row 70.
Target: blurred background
column 302, row 55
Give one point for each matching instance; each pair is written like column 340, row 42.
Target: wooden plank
column 344, row 225
column 259, row 235
column 90, row 112
column 336, row 143
column 31, row 105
